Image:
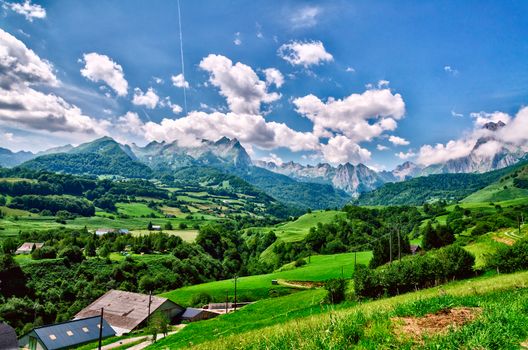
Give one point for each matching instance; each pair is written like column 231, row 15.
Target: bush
column 74, row 254
column 46, row 252
column 336, row 288
column 414, row 272
column 299, row 262
column 511, row 258
column 201, row 299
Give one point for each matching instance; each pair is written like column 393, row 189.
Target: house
column 156, row 228
column 126, row 311
column 104, row 231
column 66, row 335
column 28, row 247
column 8, row 337
column 415, row 249
column 193, row 314
column 220, row 308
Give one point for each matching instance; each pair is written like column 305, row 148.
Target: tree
column 89, row 248
column 149, row 226
column 336, row 288
column 168, row 225
column 158, row 323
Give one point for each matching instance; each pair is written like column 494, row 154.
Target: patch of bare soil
column 507, row 241
column 437, row 323
column 304, row 284
column 524, row 345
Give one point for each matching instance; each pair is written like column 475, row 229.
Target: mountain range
column 317, row 186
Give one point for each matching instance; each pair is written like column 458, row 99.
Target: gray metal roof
column 8, row 337
column 71, row 333
column 191, row 312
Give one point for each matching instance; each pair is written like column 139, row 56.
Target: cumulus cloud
column 341, row 149
column 304, row 53
column 23, row 106
column 27, row 9
column 238, row 83
column 398, row 141
column 148, row 99
column 21, row 66
column 99, row 67
column 482, row 118
column 305, row 17
column 350, row 70
column 179, row 81
column 273, row 158
column 360, row 117
column 274, row 76
column 382, row 148
column 237, row 40
column 405, row 156
column 166, row 102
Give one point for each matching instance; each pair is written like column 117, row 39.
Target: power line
column 181, row 56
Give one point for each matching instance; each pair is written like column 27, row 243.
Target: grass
column 135, row 209
column 368, row 325
column 254, row 316
column 320, row 268
column 497, row 193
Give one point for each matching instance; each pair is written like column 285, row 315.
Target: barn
column 126, row 311
column 193, row 314
column 28, row 247
column 66, row 335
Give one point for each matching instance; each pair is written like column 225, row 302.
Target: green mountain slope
column 511, row 186
column 450, row 187
column 103, row 156
column 289, row 191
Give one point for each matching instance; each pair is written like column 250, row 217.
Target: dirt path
column 299, row 284
column 147, row 341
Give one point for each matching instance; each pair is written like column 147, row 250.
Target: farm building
column 126, row 311
column 8, row 337
column 28, row 247
column 104, row 231
column 220, row 308
column 66, row 335
column 193, row 314
column 156, row 228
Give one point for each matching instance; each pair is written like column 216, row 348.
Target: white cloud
column 273, row 158
column 179, row 81
column 274, row 76
column 166, row 102
column 148, row 99
column 21, row 105
column 27, row 9
column 305, row 17
column 8, row 136
column 398, row 141
column 455, row 114
column 21, row 66
column 238, row 83
column 382, row 148
column 482, row 118
column 237, row 40
column 350, row 70
column 307, row 53
column 158, row 80
column 441, row 153
column 450, row 70
column 99, row 67
column 383, row 84
column 360, row 117
column 404, row 156
column 341, row 149
column 131, row 123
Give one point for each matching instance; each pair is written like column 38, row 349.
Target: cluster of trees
column 414, row 272
column 510, row 258
column 54, row 204
column 358, row 229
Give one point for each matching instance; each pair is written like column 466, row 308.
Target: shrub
column 201, row 299
column 336, row 288
column 45, row 252
column 299, row 262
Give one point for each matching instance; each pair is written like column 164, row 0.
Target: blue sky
column 443, row 61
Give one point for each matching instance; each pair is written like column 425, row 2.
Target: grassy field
column 320, row 268
column 186, row 235
column 500, row 323
column 497, row 192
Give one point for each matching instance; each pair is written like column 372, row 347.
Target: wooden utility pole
column 227, row 302
column 355, row 261
column 235, row 305
column 149, row 303
column 390, row 247
column 101, row 329
column 399, row 245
